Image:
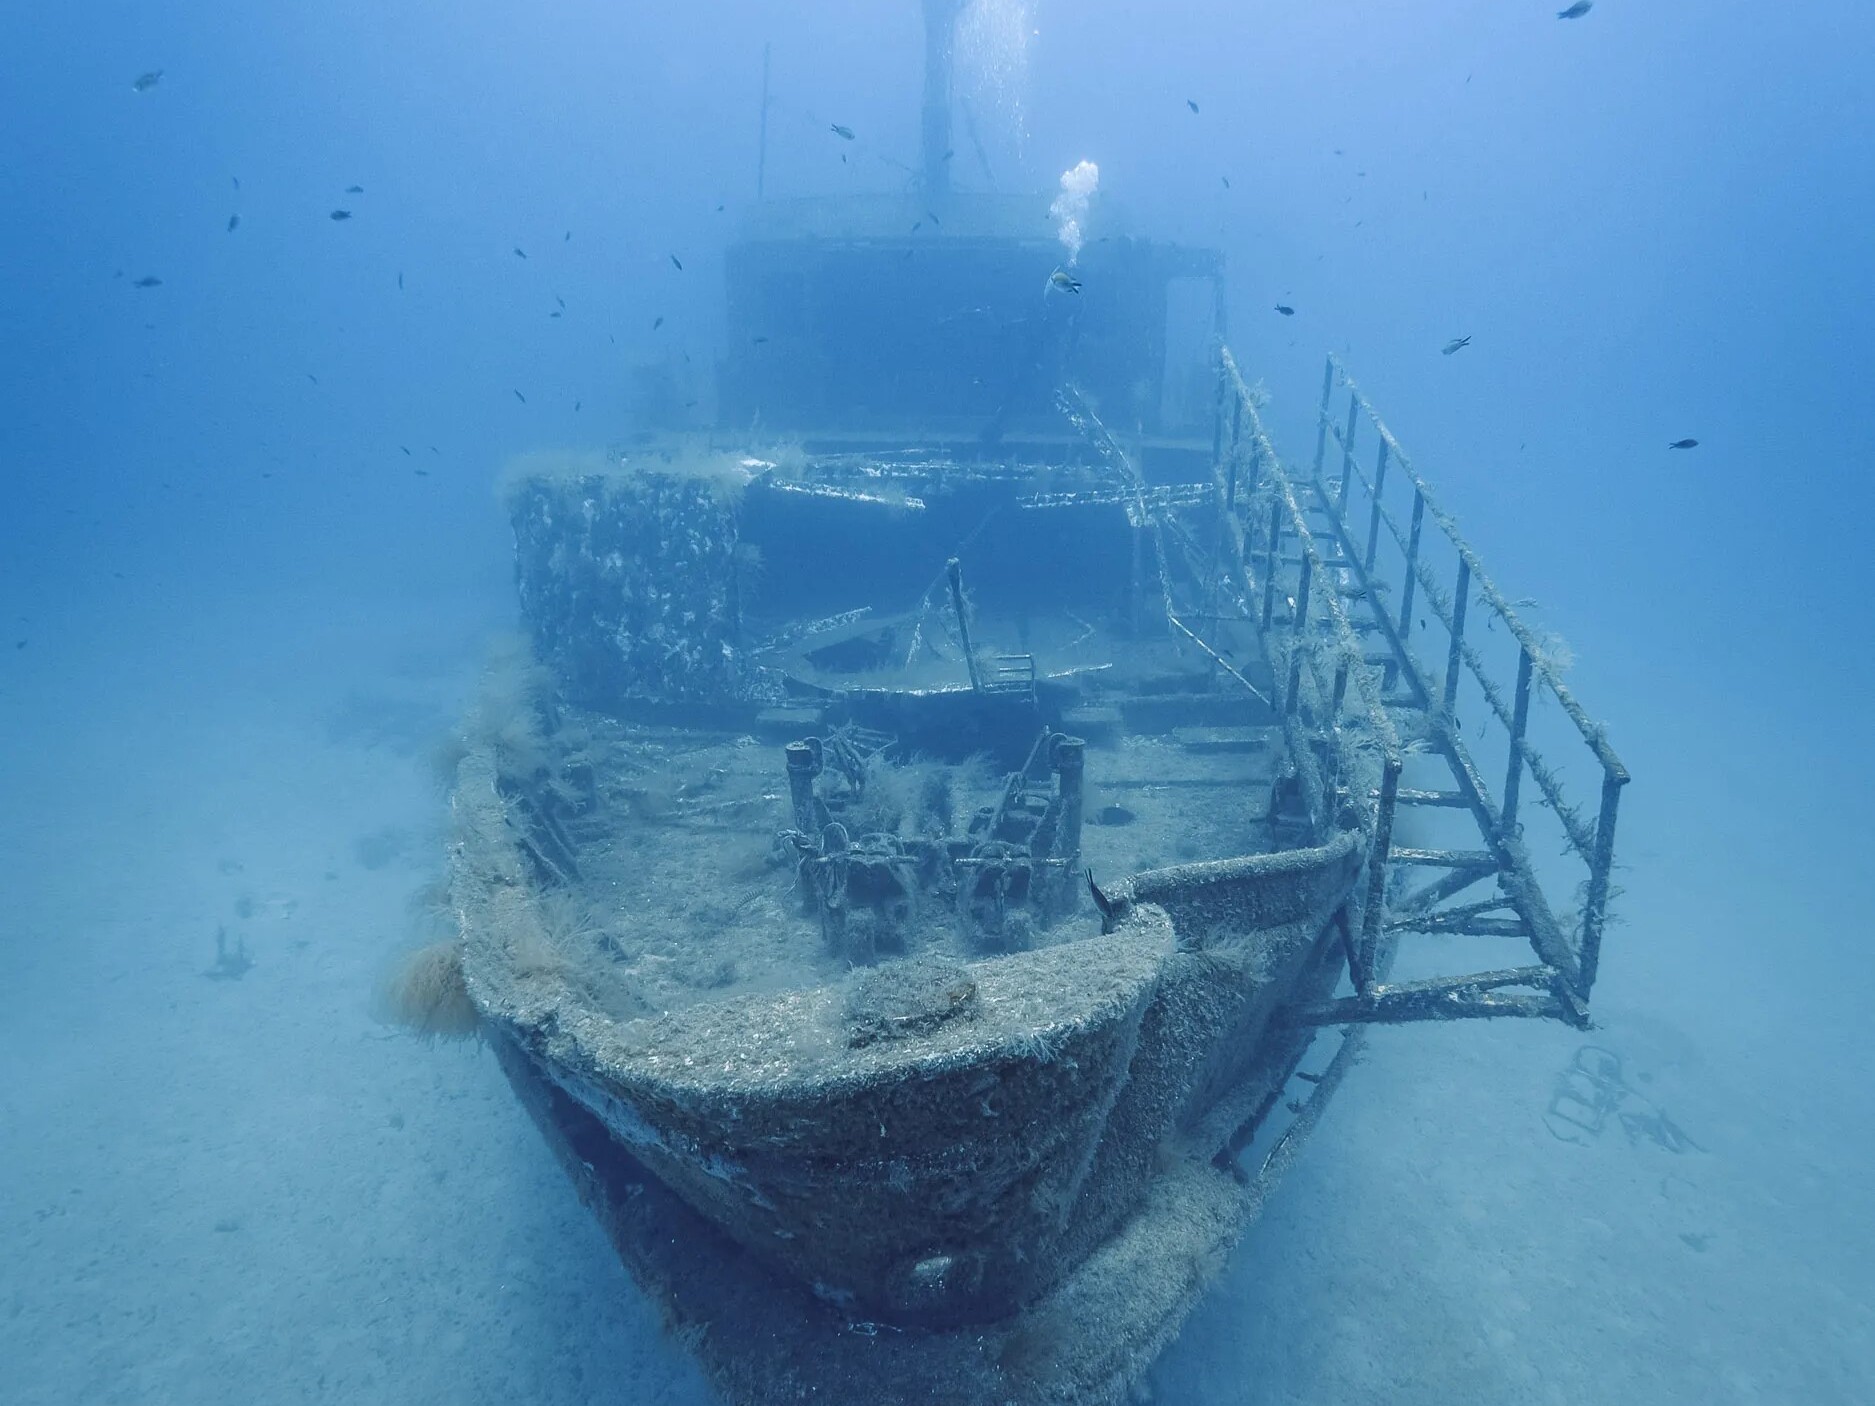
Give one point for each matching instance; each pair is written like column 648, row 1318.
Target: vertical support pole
column 1373, row 912
column 954, row 569
column 1595, row 906
column 1236, row 438
column 1297, row 628
column 1455, row 655
column 1070, row 761
column 1321, row 416
column 1519, row 722
column 1412, row 564
column 1373, row 517
column 802, row 764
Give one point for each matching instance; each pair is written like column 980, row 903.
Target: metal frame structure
column 1290, row 547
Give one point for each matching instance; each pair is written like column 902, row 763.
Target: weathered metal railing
column 1337, row 703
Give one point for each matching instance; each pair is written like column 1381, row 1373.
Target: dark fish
column 566, row 237
column 354, row 190
column 434, row 450
column 518, row 396
column 719, row 209
column 314, row 379
column 149, row 280
column 146, row 81
column 678, row 262
column 576, row 407
column 758, row 340
column 935, row 221
column 234, row 222
column 558, row 299
column 236, row 180
column 1684, row 444
column 421, row 473
column 1285, row 310
column 1192, row 103
column 340, row 215
column 519, row 252
column 554, row 313
column 405, row 448
column 916, row 226
column 1576, row 11
column 844, row 133
column 657, row 322
column 1456, row 344
column 1226, row 180
column 400, row 280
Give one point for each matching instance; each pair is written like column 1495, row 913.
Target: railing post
column 1347, row 449
column 1321, row 416
column 1519, row 721
column 1595, row 906
column 1456, row 655
column 1297, row 627
column 1412, row 564
column 1373, row 517
column 1270, row 564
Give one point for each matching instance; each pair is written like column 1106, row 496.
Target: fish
column 1576, row 11
column 149, row 280
column 1684, row 444
column 405, row 448
column 1285, row 310
column 314, row 379
column 1226, row 180
column 434, row 450
column 567, row 237
column 421, row 473
column 340, row 215
column 519, row 252
column 146, row 81
column 916, row 226
column 1192, row 103
column 518, row 396
column 843, row 133
column 1065, row 281
column 354, row 190
column 555, row 313
column 758, row 340
column 576, row 407
column 1456, row 344
column 657, row 322
column 936, row 223
column 678, row 262
column 558, row 299
column 400, row 280
column 236, row 180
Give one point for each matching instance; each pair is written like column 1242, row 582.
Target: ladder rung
column 1445, row 858
column 1429, row 798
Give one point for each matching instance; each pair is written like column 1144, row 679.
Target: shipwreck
column 955, row 815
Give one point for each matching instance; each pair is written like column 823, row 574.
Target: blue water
column 236, row 614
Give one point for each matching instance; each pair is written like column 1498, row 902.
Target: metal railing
column 1338, row 705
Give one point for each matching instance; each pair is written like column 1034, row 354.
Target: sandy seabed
column 243, row 1188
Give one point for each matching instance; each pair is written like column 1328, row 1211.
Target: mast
column 940, row 24
column 761, row 149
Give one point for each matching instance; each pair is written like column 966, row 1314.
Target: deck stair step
column 1252, row 738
